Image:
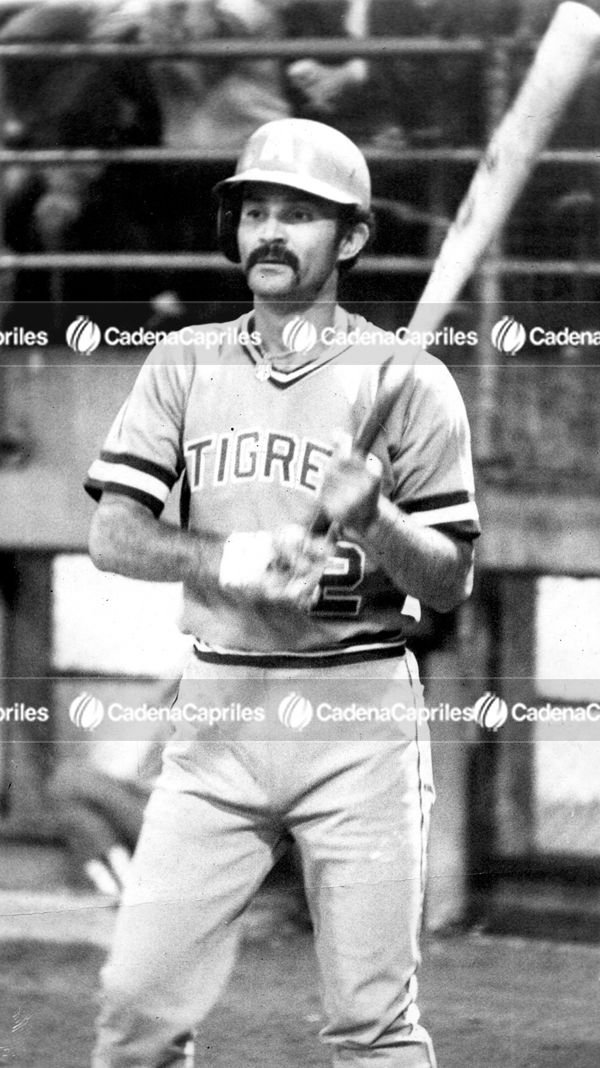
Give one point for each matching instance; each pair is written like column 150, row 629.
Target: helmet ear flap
column 228, row 218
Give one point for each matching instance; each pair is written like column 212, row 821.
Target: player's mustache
column 273, row 252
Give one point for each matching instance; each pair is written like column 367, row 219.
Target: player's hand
column 281, row 567
column 351, row 486
column 294, row 574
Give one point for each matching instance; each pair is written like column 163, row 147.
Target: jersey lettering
column 221, row 464
column 197, row 449
column 281, row 449
column 247, row 455
column 308, row 468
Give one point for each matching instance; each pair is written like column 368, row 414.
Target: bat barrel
column 559, row 66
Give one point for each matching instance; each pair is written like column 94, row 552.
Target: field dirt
column 489, row 1002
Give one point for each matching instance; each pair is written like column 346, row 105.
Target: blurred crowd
column 216, row 102
column 211, row 104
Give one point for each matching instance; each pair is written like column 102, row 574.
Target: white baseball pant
column 359, row 813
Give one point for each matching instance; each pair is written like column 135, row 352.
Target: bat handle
column 374, row 422
column 364, row 440
column 320, row 524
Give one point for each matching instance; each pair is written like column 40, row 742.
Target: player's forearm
column 421, row 561
column 127, row 539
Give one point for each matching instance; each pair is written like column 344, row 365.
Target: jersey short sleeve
column 431, row 456
column 142, row 456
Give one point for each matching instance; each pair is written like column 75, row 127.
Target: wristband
column 246, row 559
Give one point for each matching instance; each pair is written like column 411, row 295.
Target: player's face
column 289, row 242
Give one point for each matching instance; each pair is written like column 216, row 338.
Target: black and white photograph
column 299, row 533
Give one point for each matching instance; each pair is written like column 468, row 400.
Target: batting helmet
column 303, row 155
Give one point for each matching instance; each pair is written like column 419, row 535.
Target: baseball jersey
column 251, row 440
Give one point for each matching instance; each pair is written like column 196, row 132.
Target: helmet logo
column 279, row 146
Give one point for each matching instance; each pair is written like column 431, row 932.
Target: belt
column 337, row 658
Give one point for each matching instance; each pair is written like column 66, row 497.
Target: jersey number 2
column 343, row 574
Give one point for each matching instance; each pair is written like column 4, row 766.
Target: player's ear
column 352, row 241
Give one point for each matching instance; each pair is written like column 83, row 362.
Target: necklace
column 263, row 371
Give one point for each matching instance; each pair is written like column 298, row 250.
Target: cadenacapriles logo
column 86, row 712
column 508, row 335
column 295, row 712
column 491, row 711
column 83, row 335
column 299, row 335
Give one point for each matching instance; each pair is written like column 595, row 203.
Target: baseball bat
column 559, row 66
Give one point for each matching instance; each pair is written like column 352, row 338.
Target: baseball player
column 259, row 416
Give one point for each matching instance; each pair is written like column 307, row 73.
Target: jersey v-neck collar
column 282, row 379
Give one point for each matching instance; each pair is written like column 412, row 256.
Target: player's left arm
column 433, row 565
column 420, row 530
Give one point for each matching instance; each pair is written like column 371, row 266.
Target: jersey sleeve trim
column 148, row 467
column 142, row 480
column 463, row 531
column 445, row 509
column 438, row 500
column 96, row 489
